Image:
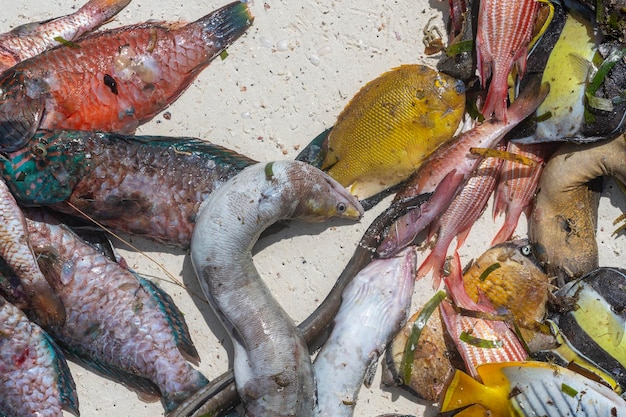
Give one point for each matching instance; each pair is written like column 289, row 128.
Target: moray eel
column 273, row 370
column 563, row 223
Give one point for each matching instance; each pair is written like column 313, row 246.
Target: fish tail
column 507, row 229
column 224, row 25
column 434, row 261
column 496, row 100
column 464, row 391
column 528, row 100
column 102, row 10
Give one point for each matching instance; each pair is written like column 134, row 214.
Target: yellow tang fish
column 391, row 126
column 530, row 389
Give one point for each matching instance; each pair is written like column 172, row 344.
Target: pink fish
column 113, row 80
column 460, row 215
column 478, row 340
column 31, row 39
column 517, row 186
column 455, row 156
column 503, row 33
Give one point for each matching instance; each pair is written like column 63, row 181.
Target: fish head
column 321, row 197
column 21, row 109
column 512, row 279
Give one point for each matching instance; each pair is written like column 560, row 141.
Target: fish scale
column 502, row 37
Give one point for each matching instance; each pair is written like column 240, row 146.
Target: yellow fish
column 391, row 126
column 530, row 389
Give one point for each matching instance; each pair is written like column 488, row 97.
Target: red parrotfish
column 454, row 158
column 460, row 215
column 30, row 39
column 517, row 187
column 113, row 80
column 503, row 33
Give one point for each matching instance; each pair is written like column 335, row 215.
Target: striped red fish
column 454, row 158
column 458, row 218
column 113, row 80
column 478, row 340
column 30, row 39
column 503, row 33
column 517, row 187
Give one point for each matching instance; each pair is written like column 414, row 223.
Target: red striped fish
column 458, row 218
column 502, row 37
column 478, row 340
column 517, row 186
column 28, row 40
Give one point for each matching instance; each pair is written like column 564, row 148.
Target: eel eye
column 341, row 207
column 526, row 250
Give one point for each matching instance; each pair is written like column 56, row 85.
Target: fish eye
column 39, row 150
column 526, row 250
column 341, row 207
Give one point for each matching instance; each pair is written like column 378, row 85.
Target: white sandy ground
column 283, row 82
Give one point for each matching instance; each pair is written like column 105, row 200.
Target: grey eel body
column 272, row 367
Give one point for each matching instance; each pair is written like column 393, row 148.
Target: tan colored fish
column 510, row 277
column 391, row 126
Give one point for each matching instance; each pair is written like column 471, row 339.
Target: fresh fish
column 530, row 389
column 118, row 324
column 272, row 366
column 17, row 252
column 510, row 277
column 374, row 307
column 455, row 157
column 113, row 80
column 146, row 185
column 563, row 222
column 478, row 337
column 34, row 377
column 517, row 186
column 30, row 39
column 503, row 33
column 419, row 358
column 393, row 124
column 460, row 215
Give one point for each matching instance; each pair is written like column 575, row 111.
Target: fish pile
column 516, row 79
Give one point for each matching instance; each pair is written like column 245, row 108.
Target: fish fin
column 462, row 237
column 315, row 152
column 224, row 25
column 143, row 386
column 174, row 317
column 463, row 391
column 192, row 145
column 103, row 9
column 528, row 100
column 67, row 387
column 580, row 65
column 434, row 261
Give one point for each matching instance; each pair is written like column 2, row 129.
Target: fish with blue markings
column 143, row 185
column 34, row 377
column 118, row 324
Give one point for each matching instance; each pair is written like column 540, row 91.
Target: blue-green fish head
column 45, row 170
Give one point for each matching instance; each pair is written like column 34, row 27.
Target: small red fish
column 113, row 80
column 460, row 215
column 517, row 186
column 455, row 156
column 478, row 340
column 28, row 40
column 503, row 33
